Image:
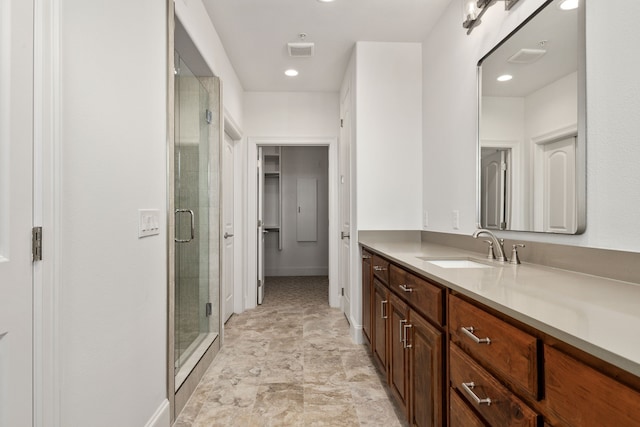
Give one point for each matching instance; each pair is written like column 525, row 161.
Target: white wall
column 291, row 114
column 113, row 298
column 388, row 116
column 301, row 258
column 194, row 17
column 613, row 103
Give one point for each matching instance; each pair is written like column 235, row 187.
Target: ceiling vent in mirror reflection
column 526, row 56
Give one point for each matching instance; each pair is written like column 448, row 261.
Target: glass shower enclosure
column 196, row 169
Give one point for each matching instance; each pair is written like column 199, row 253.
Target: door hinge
column 341, row 123
column 208, row 116
column 207, row 309
column 342, row 291
column 36, row 243
column 503, row 166
column 259, row 283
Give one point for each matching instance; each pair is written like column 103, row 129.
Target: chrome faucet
column 498, row 244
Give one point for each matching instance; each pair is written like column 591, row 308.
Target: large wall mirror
column 532, row 161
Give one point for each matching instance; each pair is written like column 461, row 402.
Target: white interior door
column 16, row 210
column 344, row 269
column 261, row 228
column 228, row 189
column 560, row 186
column 494, row 188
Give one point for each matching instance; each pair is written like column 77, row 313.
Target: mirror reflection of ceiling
column 551, row 31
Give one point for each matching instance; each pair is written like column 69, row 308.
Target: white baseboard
column 356, row 332
column 297, row 271
column 162, row 417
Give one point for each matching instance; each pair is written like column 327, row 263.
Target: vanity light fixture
column 504, row 78
column 474, row 9
column 569, row 4
column 291, row 72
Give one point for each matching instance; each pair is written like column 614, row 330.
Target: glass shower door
column 192, row 206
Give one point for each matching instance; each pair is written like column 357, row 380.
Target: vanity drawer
column 503, row 349
column 460, row 414
column 424, row 296
column 380, row 268
column 499, row 406
column 580, row 395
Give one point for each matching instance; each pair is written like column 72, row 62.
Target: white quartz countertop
column 595, row 314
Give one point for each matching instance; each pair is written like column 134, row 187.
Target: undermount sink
column 456, row 263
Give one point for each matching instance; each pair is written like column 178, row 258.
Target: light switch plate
column 455, row 219
column 425, row 219
column 149, row 222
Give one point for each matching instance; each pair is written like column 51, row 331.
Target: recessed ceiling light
column 569, row 4
column 291, row 72
column 504, row 78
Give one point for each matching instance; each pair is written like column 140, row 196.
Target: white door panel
column 16, row 210
column 560, row 186
column 344, row 269
column 261, row 228
column 228, row 188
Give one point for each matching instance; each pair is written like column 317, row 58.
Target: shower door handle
column 193, row 225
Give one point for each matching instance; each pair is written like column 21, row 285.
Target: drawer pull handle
column 468, row 331
column 468, row 388
column 406, row 335
column 366, row 256
column 383, row 305
column 379, row 268
column 404, row 288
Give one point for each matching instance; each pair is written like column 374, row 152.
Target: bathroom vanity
column 466, row 341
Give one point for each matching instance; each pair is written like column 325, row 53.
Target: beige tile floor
column 290, row 362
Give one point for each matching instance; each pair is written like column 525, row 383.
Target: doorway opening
column 293, row 201
column 256, row 225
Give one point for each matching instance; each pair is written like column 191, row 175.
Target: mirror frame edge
column 581, row 138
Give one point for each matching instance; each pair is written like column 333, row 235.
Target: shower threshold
column 192, row 356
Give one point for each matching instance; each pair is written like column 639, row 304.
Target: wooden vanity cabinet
column 579, row 395
column 426, row 379
column 367, row 301
column 379, row 324
column 432, row 343
column 398, row 355
column 408, row 340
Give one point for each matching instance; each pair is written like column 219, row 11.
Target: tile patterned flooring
column 291, row 362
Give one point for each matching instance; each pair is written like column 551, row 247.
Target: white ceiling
column 255, row 34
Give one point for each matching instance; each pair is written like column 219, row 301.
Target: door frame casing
column 250, row 290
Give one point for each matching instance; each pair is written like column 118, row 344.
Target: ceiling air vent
column 299, row 50
column 526, row 56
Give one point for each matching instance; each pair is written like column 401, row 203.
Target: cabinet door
column 381, row 303
column 398, row 354
column 366, row 297
column 426, row 367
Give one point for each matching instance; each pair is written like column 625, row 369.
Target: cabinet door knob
column 468, row 331
column 468, row 388
column 379, row 268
